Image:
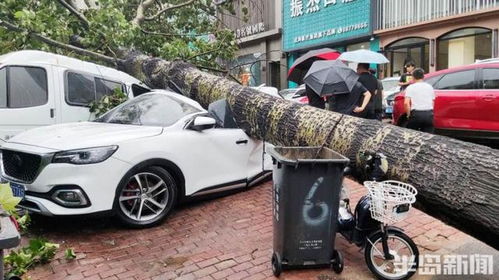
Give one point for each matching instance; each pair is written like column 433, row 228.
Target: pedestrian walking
column 406, row 78
column 378, row 98
column 371, row 84
column 418, row 103
column 314, row 99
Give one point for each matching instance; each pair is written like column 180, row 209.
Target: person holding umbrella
column 332, row 78
column 314, row 99
column 364, row 58
column 353, row 103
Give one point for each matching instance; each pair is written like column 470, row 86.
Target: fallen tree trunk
column 458, row 182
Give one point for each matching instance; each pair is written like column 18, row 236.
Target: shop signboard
column 309, row 23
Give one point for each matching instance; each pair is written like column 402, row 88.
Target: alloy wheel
column 144, row 197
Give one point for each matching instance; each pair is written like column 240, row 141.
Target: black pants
column 421, row 120
column 379, row 114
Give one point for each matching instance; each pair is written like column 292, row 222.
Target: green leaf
column 7, row 199
column 19, row 14
column 69, row 254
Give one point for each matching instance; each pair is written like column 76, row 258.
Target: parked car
column 466, row 104
column 39, row 88
column 268, row 90
column 295, row 94
column 137, row 161
column 390, row 89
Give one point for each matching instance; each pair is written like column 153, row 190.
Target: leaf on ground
column 69, row 254
column 7, row 198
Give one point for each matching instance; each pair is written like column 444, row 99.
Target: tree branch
column 54, row 43
column 140, row 14
column 208, row 52
column 171, row 34
column 211, row 69
column 168, row 8
column 75, row 12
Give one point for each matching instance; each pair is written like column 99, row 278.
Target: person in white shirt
column 418, row 103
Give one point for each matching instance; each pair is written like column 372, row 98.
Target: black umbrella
column 221, row 112
column 300, row 67
column 328, row 77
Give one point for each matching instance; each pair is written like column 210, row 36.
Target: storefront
column 342, row 25
column 258, row 32
column 443, row 42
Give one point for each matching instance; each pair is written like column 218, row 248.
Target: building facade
column 436, row 34
column 257, row 27
column 343, row 25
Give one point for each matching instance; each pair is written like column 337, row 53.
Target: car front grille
column 21, row 166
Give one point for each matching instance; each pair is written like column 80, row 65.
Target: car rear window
column 490, row 78
column 457, row 80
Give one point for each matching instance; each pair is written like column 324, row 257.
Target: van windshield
column 149, row 110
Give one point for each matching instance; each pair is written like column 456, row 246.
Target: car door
column 26, row 98
column 216, row 158
column 487, row 111
column 456, row 100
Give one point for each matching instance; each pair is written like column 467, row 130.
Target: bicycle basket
column 390, row 200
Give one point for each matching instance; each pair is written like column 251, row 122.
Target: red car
column 466, row 104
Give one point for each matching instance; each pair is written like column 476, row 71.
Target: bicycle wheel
column 404, row 250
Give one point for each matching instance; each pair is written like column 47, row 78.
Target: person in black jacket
column 353, row 103
column 371, row 84
column 378, row 98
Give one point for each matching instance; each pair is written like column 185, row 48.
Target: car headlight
column 85, row 156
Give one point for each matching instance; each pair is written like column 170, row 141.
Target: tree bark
column 458, row 182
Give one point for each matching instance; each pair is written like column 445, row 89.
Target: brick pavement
column 224, row 238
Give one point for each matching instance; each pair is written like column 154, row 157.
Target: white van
column 39, row 88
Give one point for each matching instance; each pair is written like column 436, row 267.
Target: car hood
column 82, row 135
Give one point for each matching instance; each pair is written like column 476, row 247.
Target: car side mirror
column 202, row 123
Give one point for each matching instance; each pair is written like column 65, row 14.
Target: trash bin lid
column 297, row 155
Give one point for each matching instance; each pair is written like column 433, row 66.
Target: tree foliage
column 171, row 29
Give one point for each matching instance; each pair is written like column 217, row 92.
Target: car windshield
column 287, row 93
column 390, row 85
column 149, row 110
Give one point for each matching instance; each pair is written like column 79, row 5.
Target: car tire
column 150, row 191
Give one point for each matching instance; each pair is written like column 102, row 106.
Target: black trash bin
column 307, row 185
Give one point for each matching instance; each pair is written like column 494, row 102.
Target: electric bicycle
column 389, row 253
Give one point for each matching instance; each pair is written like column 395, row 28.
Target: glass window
column 27, row 87
column 408, row 42
column 300, row 93
column 458, row 80
column 433, row 80
column 412, row 49
column 463, row 47
column 491, row 78
column 105, row 87
column 138, row 90
column 80, row 89
column 149, row 110
column 390, row 85
column 3, row 87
